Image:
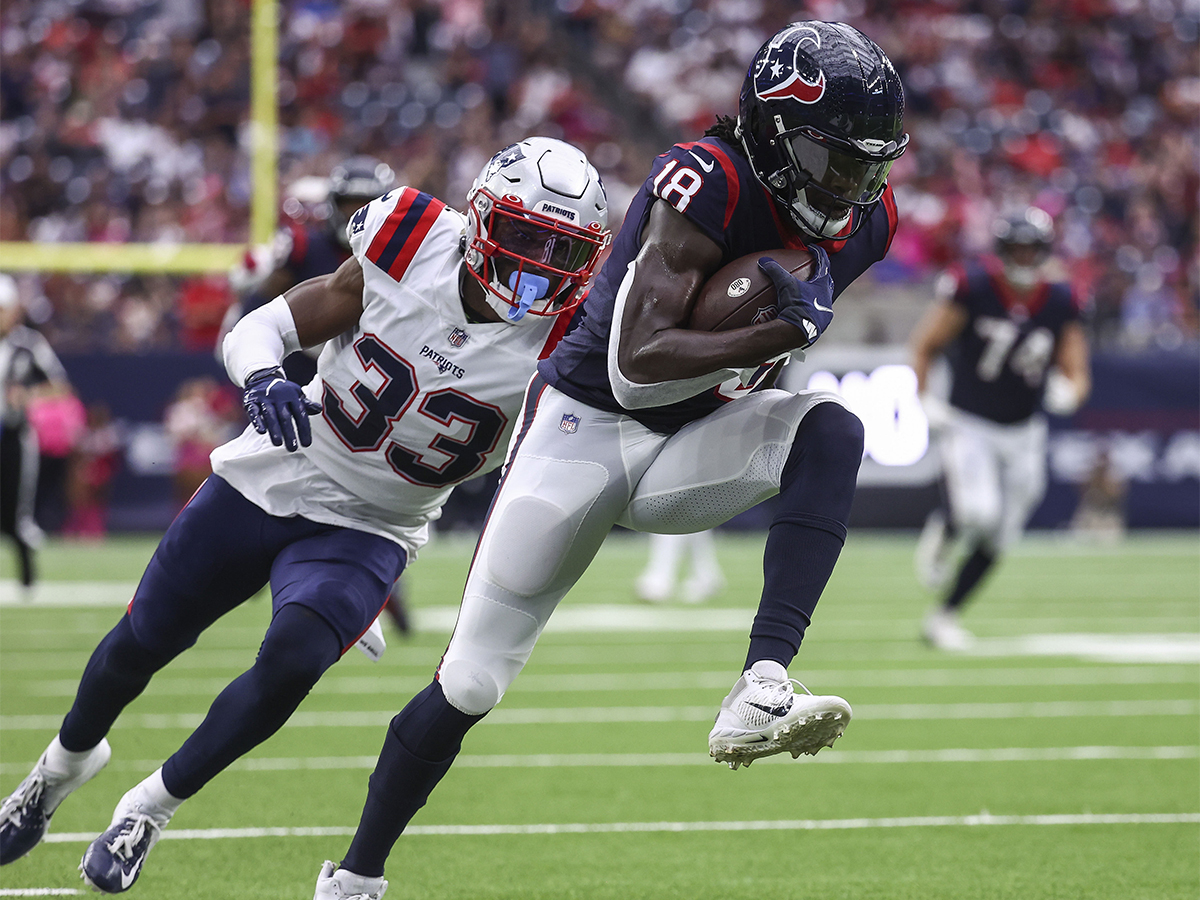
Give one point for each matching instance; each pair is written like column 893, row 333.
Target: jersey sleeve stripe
column 889, row 204
column 561, row 324
column 403, row 231
column 733, row 185
column 732, row 182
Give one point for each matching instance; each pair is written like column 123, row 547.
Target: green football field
column 1060, row 759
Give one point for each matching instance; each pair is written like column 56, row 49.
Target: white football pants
column 575, row 473
column 995, row 475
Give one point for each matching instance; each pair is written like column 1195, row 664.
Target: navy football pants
column 327, row 583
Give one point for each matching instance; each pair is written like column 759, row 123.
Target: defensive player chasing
column 434, row 328
column 636, row 420
column 1015, row 345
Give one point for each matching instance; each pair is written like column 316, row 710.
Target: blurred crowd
column 127, row 121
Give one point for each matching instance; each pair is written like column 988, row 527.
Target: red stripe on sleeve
column 889, row 204
column 400, row 265
column 561, row 324
column 390, row 223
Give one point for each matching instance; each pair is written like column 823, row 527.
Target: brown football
column 741, row 294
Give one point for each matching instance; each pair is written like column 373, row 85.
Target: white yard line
column 614, row 714
column 973, row 821
column 671, row 760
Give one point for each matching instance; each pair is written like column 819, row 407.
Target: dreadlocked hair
column 725, row 128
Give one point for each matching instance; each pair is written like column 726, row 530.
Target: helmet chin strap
column 526, row 288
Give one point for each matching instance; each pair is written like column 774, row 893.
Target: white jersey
column 415, row 399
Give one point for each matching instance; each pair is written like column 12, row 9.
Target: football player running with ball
column 1015, row 345
column 434, row 327
column 635, row 420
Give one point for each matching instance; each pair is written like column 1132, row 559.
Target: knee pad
column 297, row 649
column 821, row 472
column 469, row 688
column 829, row 435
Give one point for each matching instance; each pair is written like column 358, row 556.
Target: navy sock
column 806, row 537
column 117, row 672
column 419, row 748
column 297, row 649
column 970, row 574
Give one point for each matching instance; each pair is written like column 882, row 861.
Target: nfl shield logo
column 569, row 424
column 458, row 337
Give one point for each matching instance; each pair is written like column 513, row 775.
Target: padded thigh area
column 721, row 465
column 537, row 518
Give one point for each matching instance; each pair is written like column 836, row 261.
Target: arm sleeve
column 260, row 341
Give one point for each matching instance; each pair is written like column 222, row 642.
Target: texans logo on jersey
column 784, row 73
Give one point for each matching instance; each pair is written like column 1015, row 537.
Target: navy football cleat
column 114, row 860
column 25, row 813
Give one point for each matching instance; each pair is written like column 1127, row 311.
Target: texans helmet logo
column 778, row 74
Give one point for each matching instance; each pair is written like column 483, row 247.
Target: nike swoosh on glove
column 806, row 304
column 273, row 403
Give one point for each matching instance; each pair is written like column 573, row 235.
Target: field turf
column 1059, row 761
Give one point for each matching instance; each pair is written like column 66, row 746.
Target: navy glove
column 272, row 402
column 806, row 304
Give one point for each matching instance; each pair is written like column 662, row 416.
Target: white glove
column 1061, row 397
column 936, row 410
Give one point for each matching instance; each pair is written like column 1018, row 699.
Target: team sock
column 971, row 572
column 806, row 537
column 404, row 778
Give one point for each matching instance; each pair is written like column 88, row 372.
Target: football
column 741, row 294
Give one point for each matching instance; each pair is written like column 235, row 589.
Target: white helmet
column 537, row 223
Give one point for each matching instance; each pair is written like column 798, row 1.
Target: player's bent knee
column 835, row 433
column 467, row 687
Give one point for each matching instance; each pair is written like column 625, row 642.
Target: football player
column 658, row 580
column 28, row 364
column 433, row 328
column 636, row 420
column 299, row 252
column 1015, row 345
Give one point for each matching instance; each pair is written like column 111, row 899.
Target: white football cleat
column 942, row 630
column 763, row 716
column 339, row 884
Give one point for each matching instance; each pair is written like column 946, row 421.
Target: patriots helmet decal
column 781, row 72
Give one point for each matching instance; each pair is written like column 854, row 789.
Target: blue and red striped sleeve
column 403, row 230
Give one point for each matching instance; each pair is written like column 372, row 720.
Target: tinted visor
column 846, row 178
column 541, row 245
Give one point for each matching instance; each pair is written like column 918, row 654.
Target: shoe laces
column 780, row 689
column 28, row 793
column 133, row 830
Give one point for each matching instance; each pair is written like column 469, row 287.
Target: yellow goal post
column 31, row 256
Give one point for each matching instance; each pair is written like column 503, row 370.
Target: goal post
column 184, row 258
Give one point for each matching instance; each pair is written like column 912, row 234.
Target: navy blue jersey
column 711, row 184
column 1000, row 358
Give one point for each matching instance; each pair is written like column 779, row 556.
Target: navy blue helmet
column 822, row 121
column 354, row 183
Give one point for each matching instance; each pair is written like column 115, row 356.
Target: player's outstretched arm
column 675, row 260
column 940, row 325
column 254, row 350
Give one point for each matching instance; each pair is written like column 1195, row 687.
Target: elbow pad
column 631, row 394
column 260, row 341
